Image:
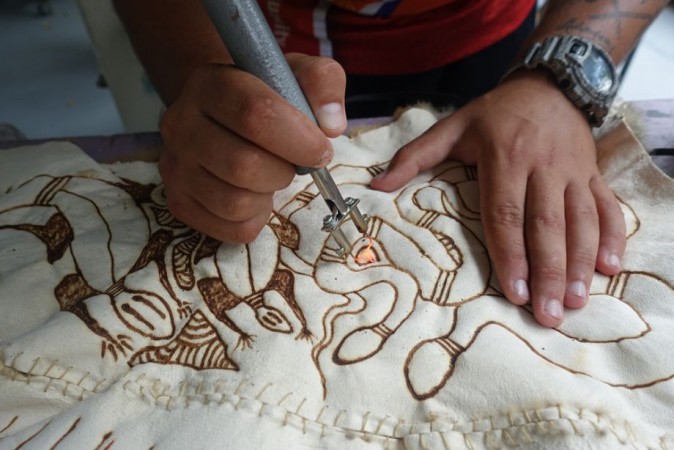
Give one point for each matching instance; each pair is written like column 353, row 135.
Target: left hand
column 549, row 217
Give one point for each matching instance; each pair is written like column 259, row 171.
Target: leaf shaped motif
column 198, row 346
column 71, row 294
column 165, row 218
column 217, row 296
column 182, row 261
column 73, row 289
column 268, row 316
column 56, row 235
column 141, row 193
column 145, row 313
column 154, row 249
column 286, row 232
column 273, row 320
column 207, row 248
column 361, row 344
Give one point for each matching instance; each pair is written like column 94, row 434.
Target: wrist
column 579, row 69
column 540, row 83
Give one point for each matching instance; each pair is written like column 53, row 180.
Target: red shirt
column 392, row 37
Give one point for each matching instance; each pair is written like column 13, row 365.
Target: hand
column 230, row 142
column 549, row 218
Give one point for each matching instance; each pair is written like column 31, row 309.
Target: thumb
column 424, row 152
column 323, row 82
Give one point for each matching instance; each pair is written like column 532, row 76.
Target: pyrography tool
column 253, row 48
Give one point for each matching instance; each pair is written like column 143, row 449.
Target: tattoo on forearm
column 618, row 16
column 606, row 24
column 575, row 26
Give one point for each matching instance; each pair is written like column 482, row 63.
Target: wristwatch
column 584, row 72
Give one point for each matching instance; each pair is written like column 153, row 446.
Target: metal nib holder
column 253, row 48
column 341, row 210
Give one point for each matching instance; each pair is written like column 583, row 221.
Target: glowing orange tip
column 366, row 255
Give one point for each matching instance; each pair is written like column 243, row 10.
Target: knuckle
column 510, row 251
column 246, row 169
column 230, row 210
column 508, row 214
column 513, row 254
column 321, row 69
column 551, row 272
column 584, row 258
column 238, row 208
column 548, row 222
column 586, row 213
column 252, row 170
column 256, row 115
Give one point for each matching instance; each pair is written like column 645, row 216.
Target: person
column 230, row 142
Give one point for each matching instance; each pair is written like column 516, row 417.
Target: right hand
column 230, row 142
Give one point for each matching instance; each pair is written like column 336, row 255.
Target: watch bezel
column 556, row 53
column 578, row 63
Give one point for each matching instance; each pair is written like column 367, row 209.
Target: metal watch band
column 573, row 61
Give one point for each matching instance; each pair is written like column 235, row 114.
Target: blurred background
column 51, row 83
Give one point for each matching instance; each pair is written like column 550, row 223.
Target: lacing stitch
column 364, row 422
column 469, row 441
column 514, row 433
column 443, row 438
column 422, row 444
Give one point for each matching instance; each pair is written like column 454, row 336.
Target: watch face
column 598, row 71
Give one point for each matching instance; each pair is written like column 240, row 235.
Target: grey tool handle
column 253, row 48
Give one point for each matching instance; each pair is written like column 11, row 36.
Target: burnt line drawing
column 65, row 435
column 106, row 442
column 635, row 330
column 9, row 424
column 424, row 247
column 33, row 436
column 197, row 345
column 439, row 255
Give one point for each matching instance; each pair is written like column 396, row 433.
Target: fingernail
column 520, row 287
column 613, row 260
column 553, row 308
column 577, row 288
column 331, row 116
column 326, row 158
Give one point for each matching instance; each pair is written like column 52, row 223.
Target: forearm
column 614, row 25
column 171, row 38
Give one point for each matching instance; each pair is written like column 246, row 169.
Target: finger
column 255, row 112
column 612, row 228
column 582, row 240
column 224, row 200
column 545, row 232
column 323, row 82
column 424, row 152
column 221, row 199
column 502, row 203
column 189, row 211
column 239, row 162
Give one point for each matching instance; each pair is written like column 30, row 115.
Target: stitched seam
column 77, row 390
column 517, row 435
column 371, row 427
column 50, row 376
